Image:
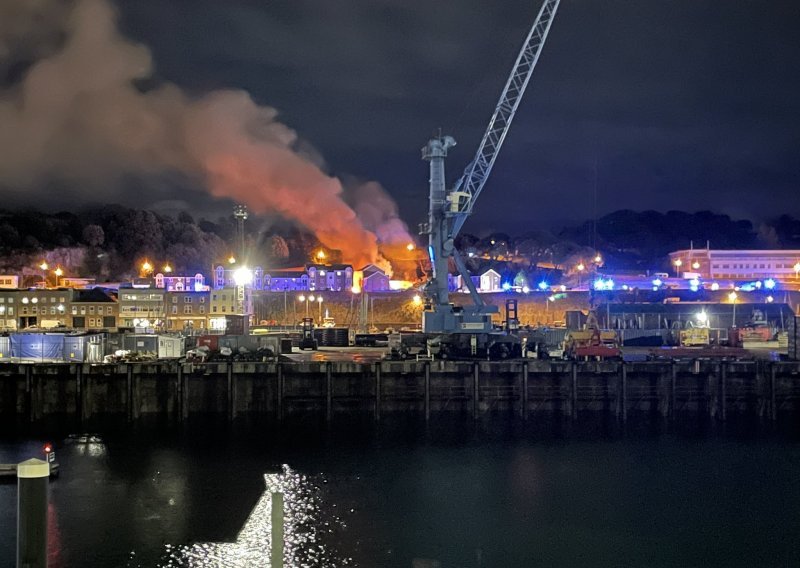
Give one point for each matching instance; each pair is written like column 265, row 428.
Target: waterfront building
column 170, row 283
column 331, row 277
column 93, row 309
column 9, row 281
column 374, row 279
column 715, row 264
column 141, row 306
column 37, row 308
column 187, row 310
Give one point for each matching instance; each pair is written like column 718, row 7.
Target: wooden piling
column 377, row 392
column 179, row 394
column 279, row 392
column 129, row 391
column 475, row 389
column 427, row 391
column 723, row 395
column 524, row 395
column 773, row 408
column 573, row 411
column 328, row 392
column 30, row 398
column 624, row 392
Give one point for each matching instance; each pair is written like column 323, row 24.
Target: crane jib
column 448, row 210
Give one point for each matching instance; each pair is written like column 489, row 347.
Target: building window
column 202, row 299
column 187, row 300
column 223, row 309
column 187, row 309
column 174, row 299
column 109, row 310
column 202, row 309
column 91, row 309
column 174, row 309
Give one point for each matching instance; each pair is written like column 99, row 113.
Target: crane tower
column 448, row 210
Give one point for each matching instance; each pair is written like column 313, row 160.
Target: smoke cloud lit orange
column 77, row 116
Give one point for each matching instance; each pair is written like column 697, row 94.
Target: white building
column 711, row 264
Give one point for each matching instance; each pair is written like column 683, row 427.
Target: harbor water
column 464, row 495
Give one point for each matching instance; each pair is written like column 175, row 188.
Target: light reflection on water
column 305, row 528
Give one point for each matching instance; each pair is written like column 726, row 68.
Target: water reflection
column 306, row 528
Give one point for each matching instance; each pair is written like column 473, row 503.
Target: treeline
column 637, row 240
column 117, row 239
column 114, row 240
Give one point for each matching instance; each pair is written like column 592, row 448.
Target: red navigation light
column 48, row 448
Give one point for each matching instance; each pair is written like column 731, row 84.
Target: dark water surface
column 487, row 496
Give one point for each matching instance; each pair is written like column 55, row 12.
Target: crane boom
column 477, row 172
column 447, row 211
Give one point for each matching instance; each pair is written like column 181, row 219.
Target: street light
column 319, row 301
column 167, row 268
column 695, row 265
column 598, row 259
column 678, row 263
column 796, row 271
column 58, row 272
column 231, row 259
column 147, row 267
column 410, row 247
column 321, row 255
column 732, row 297
column 307, row 299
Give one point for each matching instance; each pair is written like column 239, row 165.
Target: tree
column 93, row 235
column 277, row 247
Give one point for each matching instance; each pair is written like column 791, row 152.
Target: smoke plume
column 76, row 114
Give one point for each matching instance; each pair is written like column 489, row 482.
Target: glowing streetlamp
column 43, row 266
column 307, row 299
column 410, row 247
column 580, row 268
column 242, row 276
column 678, row 263
column 167, row 268
column 231, row 259
column 417, row 300
column 732, row 297
column 598, row 259
column 319, row 302
column 796, row 271
column 695, row 265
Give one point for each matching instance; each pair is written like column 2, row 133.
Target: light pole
column 678, row 264
column 732, row 297
column 44, row 268
column 796, row 271
column 581, row 267
column 307, row 299
column 319, row 301
column 58, row 272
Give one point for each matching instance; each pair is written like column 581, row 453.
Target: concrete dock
column 523, row 390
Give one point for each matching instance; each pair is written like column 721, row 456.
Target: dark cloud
column 665, row 104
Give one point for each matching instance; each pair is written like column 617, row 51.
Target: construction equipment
column 307, row 340
column 695, row 337
column 468, row 330
column 592, row 344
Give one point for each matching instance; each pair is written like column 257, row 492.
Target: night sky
column 661, row 104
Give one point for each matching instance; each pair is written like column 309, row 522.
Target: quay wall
column 522, row 390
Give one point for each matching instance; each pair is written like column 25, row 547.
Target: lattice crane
column 448, row 210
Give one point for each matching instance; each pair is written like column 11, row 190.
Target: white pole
column 276, row 552
column 32, row 488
